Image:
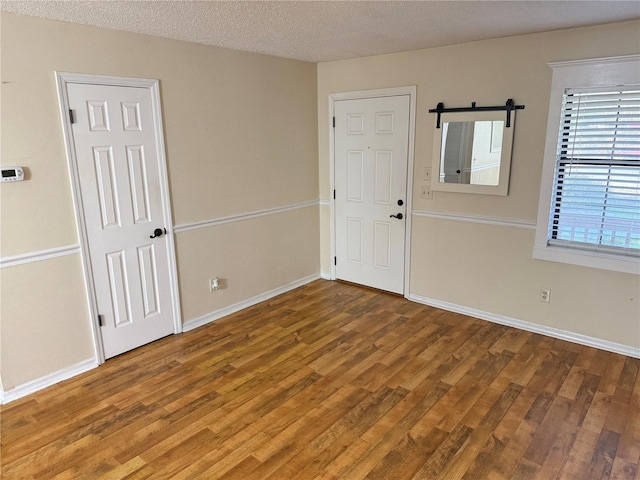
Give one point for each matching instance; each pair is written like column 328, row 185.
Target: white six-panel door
column 115, row 146
column 371, row 144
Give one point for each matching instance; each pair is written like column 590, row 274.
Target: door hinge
column 334, row 193
column 72, row 116
column 101, row 320
column 334, row 122
column 335, row 260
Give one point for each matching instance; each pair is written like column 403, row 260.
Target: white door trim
column 382, row 92
column 62, row 79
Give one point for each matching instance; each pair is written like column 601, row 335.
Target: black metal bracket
column 508, row 107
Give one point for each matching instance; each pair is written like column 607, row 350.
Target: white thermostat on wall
column 12, row 174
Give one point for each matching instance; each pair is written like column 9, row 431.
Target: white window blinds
column 596, row 200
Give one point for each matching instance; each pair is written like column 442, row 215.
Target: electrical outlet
column 425, row 192
column 426, row 174
column 545, row 295
column 214, row 284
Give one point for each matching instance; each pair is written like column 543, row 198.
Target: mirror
column 472, row 153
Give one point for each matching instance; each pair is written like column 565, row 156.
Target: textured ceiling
column 319, row 31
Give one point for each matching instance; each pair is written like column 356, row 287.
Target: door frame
column 153, row 86
column 364, row 94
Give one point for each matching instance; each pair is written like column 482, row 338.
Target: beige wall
column 490, row 267
column 45, row 325
column 240, row 135
column 277, row 237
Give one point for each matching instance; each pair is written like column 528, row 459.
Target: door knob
column 158, row 232
column 398, row 216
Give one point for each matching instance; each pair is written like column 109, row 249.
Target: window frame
column 599, row 72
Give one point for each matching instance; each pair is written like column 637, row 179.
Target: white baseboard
column 530, row 327
column 46, row 381
column 66, row 373
column 326, row 276
column 236, row 307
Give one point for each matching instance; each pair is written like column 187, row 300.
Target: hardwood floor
column 335, row 381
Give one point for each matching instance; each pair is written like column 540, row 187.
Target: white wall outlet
column 545, row 295
column 425, row 192
column 426, row 174
column 214, row 284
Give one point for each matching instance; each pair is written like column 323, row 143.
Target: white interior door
column 371, row 157
column 116, row 149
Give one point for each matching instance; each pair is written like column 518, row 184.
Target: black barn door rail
column 508, row 107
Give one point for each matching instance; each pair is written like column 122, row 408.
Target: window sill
column 585, row 258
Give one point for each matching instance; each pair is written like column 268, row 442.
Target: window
column 596, row 201
column 592, row 168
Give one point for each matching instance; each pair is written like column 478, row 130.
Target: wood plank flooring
column 336, row 381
